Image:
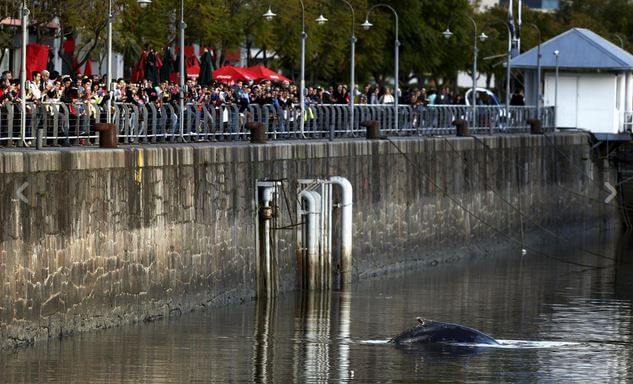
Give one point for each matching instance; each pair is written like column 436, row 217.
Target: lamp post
column 366, row 25
column 109, row 69
column 269, row 15
column 538, row 71
column 182, row 26
column 556, row 54
column 352, row 82
column 24, row 12
column 483, row 37
column 448, row 34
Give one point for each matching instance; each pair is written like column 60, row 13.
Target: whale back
column 429, row 331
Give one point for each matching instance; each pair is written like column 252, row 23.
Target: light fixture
column 447, row 34
column 143, row 3
column 366, row 25
column 321, row 20
column 556, row 53
column 483, row 37
column 269, row 14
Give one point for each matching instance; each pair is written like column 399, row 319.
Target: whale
column 430, row 331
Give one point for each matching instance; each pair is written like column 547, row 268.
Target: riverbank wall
column 95, row 238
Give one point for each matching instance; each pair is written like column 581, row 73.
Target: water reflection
column 556, row 323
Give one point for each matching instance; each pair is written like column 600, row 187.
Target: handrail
column 73, row 124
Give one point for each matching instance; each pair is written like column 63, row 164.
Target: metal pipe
column 352, row 81
column 346, row 227
column 25, row 20
column 557, row 54
column 109, row 69
column 311, row 212
column 396, row 59
column 183, row 74
column 267, row 198
column 318, row 262
column 474, row 91
column 538, row 71
column 302, row 87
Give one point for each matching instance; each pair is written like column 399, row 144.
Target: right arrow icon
column 612, row 191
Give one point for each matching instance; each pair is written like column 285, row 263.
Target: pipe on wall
column 346, row 227
column 312, row 234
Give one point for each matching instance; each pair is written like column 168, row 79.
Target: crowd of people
column 92, row 90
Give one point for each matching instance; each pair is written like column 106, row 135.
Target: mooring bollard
column 461, row 127
column 373, row 129
column 108, row 137
column 39, row 138
column 258, row 132
column 535, row 127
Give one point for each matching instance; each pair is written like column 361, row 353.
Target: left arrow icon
column 20, row 195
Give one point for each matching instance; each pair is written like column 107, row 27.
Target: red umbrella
column 260, row 72
column 230, row 73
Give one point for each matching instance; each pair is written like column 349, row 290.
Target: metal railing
column 74, row 124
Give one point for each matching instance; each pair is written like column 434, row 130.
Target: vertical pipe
column 396, row 89
column 302, row 86
column 25, row 36
column 508, row 81
column 346, row 228
column 519, row 24
column 183, row 74
column 556, row 53
column 109, row 69
column 317, row 262
column 311, row 237
column 474, row 95
column 352, row 83
column 538, row 79
column 267, row 199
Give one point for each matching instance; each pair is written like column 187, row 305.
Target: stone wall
column 107, row 237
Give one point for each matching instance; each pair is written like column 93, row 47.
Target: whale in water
column 429, row 331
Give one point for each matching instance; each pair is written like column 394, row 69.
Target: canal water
column 556, row 322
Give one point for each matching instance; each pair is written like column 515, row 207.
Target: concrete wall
column 108, row 237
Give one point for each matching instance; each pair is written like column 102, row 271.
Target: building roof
column 578, row 48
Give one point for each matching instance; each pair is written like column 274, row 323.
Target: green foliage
column 225, row 25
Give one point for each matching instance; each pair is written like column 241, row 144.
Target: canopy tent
column 229, row 73
column 260, row 72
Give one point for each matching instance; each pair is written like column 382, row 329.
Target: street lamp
column 25, row 20
column 508, row 73
column 448, row 34
column 269, row 15
column 556, row 54
column 366, row 25
column 538, row 71
column 183, row 74
column 352, row 81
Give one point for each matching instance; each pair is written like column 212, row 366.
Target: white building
column 594, row 88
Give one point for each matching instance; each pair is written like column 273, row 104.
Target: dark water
column 557, row 322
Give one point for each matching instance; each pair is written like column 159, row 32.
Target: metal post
column 25, row 20
column 556, row 53
column 352, row 81
column 396, row 76
column 109, row 69
column 183, row 74
column 302, row 86
column 508, row 79
column 396, row 60
column 474, row 89
column 538, row 72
